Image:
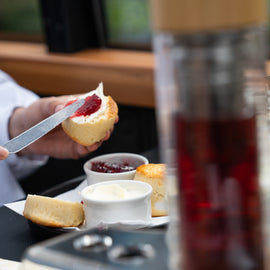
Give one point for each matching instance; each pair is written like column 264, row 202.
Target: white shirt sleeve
column 13, row 95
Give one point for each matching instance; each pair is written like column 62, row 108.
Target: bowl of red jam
column 115, row 166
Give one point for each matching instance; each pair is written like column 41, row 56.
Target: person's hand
column 56, row 143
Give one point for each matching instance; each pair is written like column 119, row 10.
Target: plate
column 74, row 195
column 45, row 232
column 156, row 222
column 133, row 225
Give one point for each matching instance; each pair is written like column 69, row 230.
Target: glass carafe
column 211, row 108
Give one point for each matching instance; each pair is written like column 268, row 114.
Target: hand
column 56, row 143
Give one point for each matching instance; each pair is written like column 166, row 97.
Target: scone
column 91, row 122
column 154, row 174
column 53, row 212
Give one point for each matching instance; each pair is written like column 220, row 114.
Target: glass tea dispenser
column 211, row 107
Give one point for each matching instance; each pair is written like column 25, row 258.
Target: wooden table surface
column 127, row 75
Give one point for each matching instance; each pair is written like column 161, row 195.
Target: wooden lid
column 187, row 16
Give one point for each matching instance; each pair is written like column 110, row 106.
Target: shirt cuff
column 13, row 95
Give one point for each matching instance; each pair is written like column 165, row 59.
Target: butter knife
column 31, row 135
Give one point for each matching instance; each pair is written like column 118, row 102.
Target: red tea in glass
column 220, row 212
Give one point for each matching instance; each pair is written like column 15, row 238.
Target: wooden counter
column 127, row 75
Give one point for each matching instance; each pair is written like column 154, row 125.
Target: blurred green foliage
column 128, row 21
column 20, row 16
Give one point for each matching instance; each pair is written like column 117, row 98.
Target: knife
column 31, row 135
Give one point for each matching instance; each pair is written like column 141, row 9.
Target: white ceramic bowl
column 105, row 210
column 94, row 177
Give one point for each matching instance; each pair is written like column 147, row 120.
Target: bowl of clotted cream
column 117, row 201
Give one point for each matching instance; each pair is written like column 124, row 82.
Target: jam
column 91, row 105
column 110, row 167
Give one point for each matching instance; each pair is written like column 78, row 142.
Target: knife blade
column 34, row 133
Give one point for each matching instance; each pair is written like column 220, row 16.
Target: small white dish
column 118, row 159
column 127, row 210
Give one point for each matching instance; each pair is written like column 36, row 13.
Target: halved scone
column 93, row 120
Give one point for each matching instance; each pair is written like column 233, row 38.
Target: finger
column 59, row 107
column 82, row 150
column 107, row 136
column 94, row 147
column 62, row 101
column 53, row 104
column 47, row 105
column 3, row 153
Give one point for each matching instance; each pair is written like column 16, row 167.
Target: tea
column 219, row 194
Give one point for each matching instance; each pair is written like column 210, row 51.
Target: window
column 72, row 25
column 127, row 23
column 68, row 25
column 20, row 20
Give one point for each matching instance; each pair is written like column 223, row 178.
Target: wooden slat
column 127, row 75
column 267, row 67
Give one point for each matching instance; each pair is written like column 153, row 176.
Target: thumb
column 59, row 107
column 3, row 153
